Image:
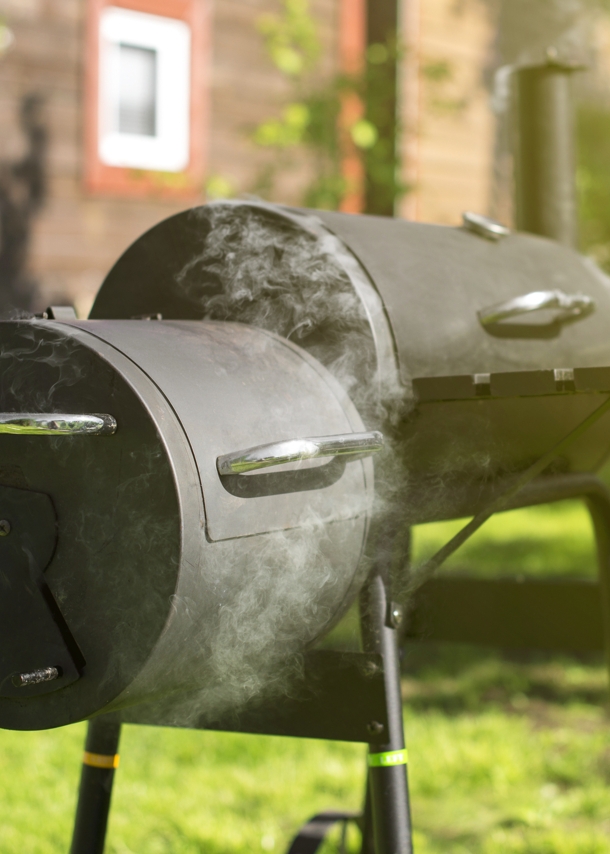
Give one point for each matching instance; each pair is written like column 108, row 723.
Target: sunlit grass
column 524, row 777
column 176, row 791
column 549, row 540
column 491, row 783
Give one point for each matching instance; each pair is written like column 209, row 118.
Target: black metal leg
column 368, row 837
column 389, row 792
column 99, row 763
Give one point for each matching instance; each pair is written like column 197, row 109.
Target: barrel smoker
column 200, row 479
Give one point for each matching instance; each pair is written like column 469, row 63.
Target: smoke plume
column 258, row 268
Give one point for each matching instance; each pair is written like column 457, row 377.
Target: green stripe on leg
column 386, row 760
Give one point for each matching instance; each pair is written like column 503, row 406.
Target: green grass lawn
column 507, row 755
column 549, row 540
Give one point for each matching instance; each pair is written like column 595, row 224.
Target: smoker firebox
column 187, row 479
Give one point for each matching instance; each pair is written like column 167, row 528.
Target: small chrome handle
column 484, row 226
column 569, row 307
column 56, row 424
column 354, row 445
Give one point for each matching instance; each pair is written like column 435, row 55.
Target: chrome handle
column 570, row 307
column 56, row 424
column 355, row 445
column 484, row 226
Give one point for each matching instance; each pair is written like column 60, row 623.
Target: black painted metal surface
column 107, row 492
column 389, row 790
column 337, row 698
column 153, row 552
column 35, row 633
column 231, row 387
column 434, row 279
column 545, row 159
column 95, row 792
column 145, row 515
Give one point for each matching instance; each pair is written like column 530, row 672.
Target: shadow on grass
column 457, row 678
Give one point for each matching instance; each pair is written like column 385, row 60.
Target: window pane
column 137, row 92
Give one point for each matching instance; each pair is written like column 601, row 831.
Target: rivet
column 394, row 615
column 551, row 53
column 374, row 727
column 371, row 668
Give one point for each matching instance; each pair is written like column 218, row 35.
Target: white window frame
column 169, row 149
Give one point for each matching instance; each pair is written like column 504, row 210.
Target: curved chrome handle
column 570, row 307
column 56, row 424
column 355, row 445
column 484, row 226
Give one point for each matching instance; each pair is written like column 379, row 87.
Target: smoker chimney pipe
column 545, row 188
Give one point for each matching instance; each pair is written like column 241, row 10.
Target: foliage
column 593, row 178
column 437, row 71
column 6, row 37
column 218, row 187
column 314, row 119
column 158, row 181
column 291, row 38
column 381, row 158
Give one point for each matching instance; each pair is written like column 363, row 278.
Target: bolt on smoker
column 188, row 481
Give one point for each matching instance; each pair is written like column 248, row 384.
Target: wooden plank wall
column 448, row 140
column 77, row 236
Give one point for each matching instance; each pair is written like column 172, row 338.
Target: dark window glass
column 137, row 90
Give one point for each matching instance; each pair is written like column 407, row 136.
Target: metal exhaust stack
column 545, row 171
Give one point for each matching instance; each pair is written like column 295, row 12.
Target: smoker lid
column 434, row 280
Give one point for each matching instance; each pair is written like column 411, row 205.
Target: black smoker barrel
column 483, row 342
column 188, row 498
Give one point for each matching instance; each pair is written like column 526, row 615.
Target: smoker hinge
column 482, row 384
column 564, row 379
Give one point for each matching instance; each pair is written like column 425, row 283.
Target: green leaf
column 287, row 60
column 297, row 115
column 377, row 53
column 364, row 134
column 219, row 187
